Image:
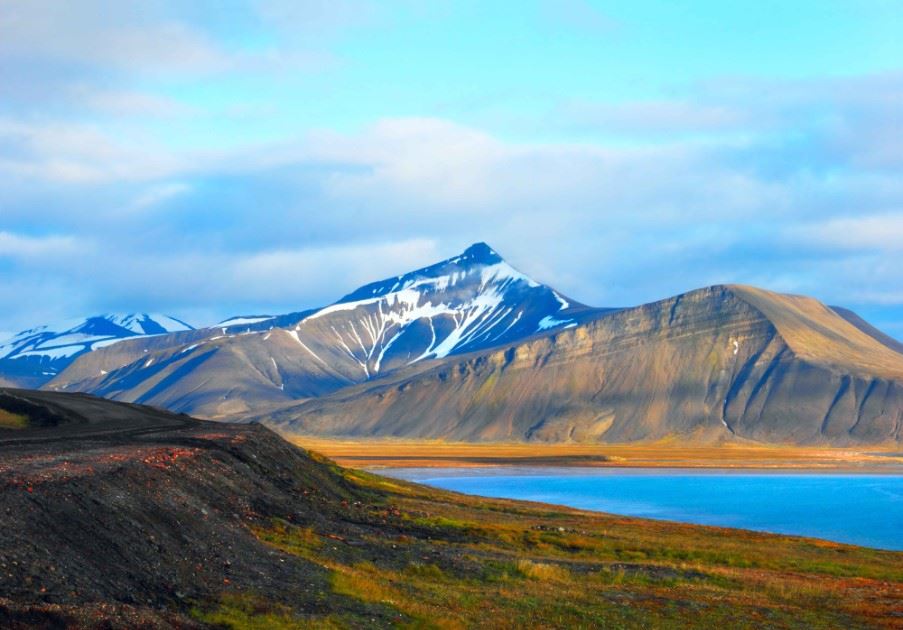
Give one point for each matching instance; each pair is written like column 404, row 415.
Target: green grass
column 250, row 612
column 416, row 557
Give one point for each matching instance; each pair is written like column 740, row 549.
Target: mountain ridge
column 703, row 366
column 33, row 356
column 467, row 302
column 469, row 348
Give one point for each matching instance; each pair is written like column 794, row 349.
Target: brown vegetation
column 389, row 453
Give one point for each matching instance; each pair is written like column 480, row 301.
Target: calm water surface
column 854, row 508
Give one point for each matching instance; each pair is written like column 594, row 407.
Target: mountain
column 472, row 349
column 34, row 356
column 868, row 329
column 721, row 363
column 471, row 302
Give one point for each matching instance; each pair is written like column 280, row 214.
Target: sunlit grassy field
column 432, row 453
column 423, row 558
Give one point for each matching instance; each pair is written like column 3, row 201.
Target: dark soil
column 128, row 514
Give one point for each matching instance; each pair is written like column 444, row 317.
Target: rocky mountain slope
column 119, row 516
column 33, row 357
column 722, row 363
column 467, row 303
column 868, row 329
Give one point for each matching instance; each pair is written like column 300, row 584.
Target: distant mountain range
column 34, row 356
column 472, row 349
column 469, row 303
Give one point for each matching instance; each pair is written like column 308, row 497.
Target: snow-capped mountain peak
column 147, row 323
column 41, row 352
column 479, row 257
column 467, row 302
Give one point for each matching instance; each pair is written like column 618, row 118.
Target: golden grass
column 363, row 582
column 9, row 420
column 430, row 453
column 543, row 571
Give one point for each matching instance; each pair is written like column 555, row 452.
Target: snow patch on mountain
column 147, row 323
column 53, row 347
column 548, row 322
column 244, row 321
column 61, row 352
column 467, row 302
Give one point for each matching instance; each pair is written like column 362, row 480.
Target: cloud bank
column 791, row 184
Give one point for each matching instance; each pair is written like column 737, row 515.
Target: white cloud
column 314, row 17
column 279, row 275
column 661, row 117
column 881, row 232
column 22, row 246
column 158, row 194
column 433, row 166
column 425, row 159
column 127, row 102
column 79, row 153
column 609, row 225
column 131, row 36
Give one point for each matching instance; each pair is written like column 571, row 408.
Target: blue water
column 852, row 508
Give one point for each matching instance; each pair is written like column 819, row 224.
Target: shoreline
column 379, row 454
column 517, row 484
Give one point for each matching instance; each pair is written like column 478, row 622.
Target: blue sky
column 214, row 158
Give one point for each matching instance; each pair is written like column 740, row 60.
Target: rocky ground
column 145, row 513
column 121, row 516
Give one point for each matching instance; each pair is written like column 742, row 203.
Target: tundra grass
column 9, row 420
column 433, row 559
column 394, row 453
